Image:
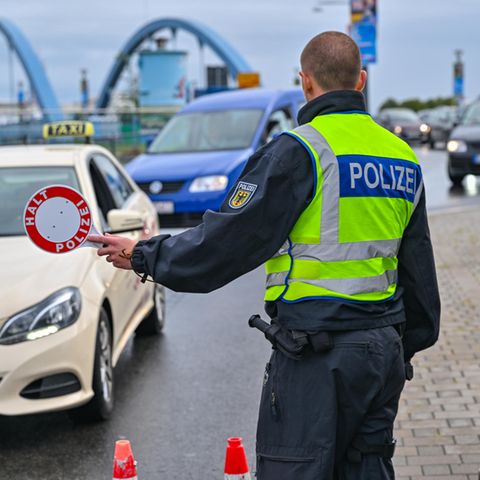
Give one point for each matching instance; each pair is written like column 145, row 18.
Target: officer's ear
column 307, row 85
column 362, row 80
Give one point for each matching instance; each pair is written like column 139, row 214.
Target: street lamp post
column 362, row 29
column 458, row 77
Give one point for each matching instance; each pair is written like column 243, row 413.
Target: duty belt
column 292, row 343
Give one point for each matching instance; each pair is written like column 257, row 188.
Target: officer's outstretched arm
column 251, row 226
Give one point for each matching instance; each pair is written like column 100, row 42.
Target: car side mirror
column 121, row 221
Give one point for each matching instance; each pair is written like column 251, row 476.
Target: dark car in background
column 441, row 121
column 464, row 146
column 404, row 123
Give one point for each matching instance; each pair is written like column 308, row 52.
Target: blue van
column 201, row 151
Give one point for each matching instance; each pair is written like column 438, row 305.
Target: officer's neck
column 332, row 102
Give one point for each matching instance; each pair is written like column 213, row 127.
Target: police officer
column 336, row 211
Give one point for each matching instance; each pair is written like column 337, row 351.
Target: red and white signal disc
column 57, row 219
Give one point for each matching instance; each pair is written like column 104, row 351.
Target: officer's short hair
column 333, row 59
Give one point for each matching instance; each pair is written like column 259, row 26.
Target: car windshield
column 18, row 184
column 208, row 131
column 472, row 115
column 443, row 114
column 403, row 115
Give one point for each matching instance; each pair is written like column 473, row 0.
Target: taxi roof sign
column 68, row 128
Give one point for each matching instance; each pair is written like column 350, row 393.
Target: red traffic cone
column 236, row 464
column 124, row 465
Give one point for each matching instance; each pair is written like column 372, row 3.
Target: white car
column 93, row 307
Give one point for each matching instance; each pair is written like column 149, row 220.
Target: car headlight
column 49, row 316
column 209, row 184
column 457, row 146
column 397, row 130
column 424, row 128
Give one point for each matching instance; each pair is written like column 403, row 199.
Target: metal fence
column 126, row 132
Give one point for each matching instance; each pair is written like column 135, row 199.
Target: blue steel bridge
column 44, row 93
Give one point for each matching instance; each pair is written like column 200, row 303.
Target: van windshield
column 208, row 131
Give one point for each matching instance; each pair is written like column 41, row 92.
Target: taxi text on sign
column 68, row 129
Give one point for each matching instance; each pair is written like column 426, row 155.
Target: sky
column 416, row 39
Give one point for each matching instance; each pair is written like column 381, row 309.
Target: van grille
column 167, row 187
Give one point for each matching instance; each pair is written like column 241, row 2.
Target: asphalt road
column 179, row 396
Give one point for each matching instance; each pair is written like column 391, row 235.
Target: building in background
column 162, row 76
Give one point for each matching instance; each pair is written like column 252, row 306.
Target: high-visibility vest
column 344, row 245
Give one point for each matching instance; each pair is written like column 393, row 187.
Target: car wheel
column 154, row 322
column 100, row 407
column 456, row 179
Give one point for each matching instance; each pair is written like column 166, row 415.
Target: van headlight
column 457, row 146
column 211, row 183
column 49, row 316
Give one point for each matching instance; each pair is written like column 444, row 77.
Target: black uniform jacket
column 234, row 241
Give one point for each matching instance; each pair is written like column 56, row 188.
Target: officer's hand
column 117, row 249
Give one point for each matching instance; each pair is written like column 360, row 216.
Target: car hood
column 29, row 275
column 466, row 132
column 175, row 166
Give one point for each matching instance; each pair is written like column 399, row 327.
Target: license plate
column 165, row 208
column 476, row 159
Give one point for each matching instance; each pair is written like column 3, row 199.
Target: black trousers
column 312, row 409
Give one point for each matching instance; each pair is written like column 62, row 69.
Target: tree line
column 417, row 104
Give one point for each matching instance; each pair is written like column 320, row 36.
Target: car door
column 114, row 191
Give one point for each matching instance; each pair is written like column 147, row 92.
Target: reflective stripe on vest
column 345, row 244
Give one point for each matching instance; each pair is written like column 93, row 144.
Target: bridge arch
column 36, row 74
column 206, row 36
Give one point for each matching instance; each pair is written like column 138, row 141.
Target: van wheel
column 100, row 407
column 154, row 322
